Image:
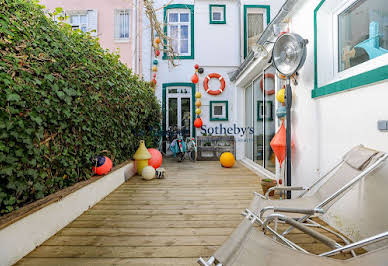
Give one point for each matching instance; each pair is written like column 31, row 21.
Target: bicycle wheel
column 193, row 155
column 180, row 156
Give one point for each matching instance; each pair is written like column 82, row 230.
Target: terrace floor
column 168, row 221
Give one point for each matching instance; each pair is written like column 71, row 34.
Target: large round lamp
column 288, row 56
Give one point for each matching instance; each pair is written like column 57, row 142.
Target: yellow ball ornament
column 154, row 68
column 198, row 103
column 198, row 111
column 280, row 95
column 227, row 159
column 157, row 40
column 198, row 95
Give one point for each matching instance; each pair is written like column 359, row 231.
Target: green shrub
column 63, row 100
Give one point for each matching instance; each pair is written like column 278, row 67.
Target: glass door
column 179, row 110
column 268, row 115
column 248, row 122
column 258, row 105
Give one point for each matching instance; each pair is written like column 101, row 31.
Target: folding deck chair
column 373, row 186
column 248, row 246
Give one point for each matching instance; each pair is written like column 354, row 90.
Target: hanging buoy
column 270, row 76
column 157, row 40
column 206, row 84
column 281, row 112
column 153, row 82
column 154, row 75
column 280, row 95
column 196, row 66
column 157, row 52
column 198, row 103
column 154, row 68
column 198, row 111
column 194, row 79
column 198, row 95
column 278, row 144
column 155, row 62
column 198, row 122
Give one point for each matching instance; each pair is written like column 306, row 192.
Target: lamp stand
column 288, row 97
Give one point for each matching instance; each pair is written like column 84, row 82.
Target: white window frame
column 337, row 75
column 180, row 11
column 117, row 25
column 253, row 10
column 79, row 25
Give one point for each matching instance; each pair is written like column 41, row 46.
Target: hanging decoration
column 194, row 79
column 198, row 111
column 278, row 144
column 155, row 62
column 198, row 103
column 206, row 84
column 280, row 95
column 281, row 112
column 198, row 122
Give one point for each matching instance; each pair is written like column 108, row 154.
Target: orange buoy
column 278, row 144
column 194, row 79
column 198, row 122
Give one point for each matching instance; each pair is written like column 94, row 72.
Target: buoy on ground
column 156, row 158
column 148, row 173
column 227, row 159
column 141, row 156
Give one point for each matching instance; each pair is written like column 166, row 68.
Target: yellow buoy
column 154, row 68
column 141, row 157
column 280, row 95
column 198, row 103
column 198, row 95
column 227, row 159
column 198, row 111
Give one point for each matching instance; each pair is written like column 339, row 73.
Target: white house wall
column 325, row 128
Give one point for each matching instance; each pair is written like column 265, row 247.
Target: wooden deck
column 171, row 221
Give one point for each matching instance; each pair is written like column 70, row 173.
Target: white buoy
column 148, row 173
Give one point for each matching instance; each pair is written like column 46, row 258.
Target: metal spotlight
column 289, row 55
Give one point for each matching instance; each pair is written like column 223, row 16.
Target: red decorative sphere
column 153, row 82
column 154, row 75
column 156, row 158
column 198, row 122
column 196, row 66
column 194, row 79
column 104, row 165
column 157, row 52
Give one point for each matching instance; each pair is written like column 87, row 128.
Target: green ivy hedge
column 63, row 100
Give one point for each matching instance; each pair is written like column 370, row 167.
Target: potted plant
column 266, row 184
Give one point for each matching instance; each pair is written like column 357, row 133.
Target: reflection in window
column 362, row 33
column 178, row 30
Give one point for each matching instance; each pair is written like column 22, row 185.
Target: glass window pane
column 175, row 45
column 184, row 32
column 258, row 122
column 216, row 16
column 362, row 33
column 184, row 17
column 185, row 114
column 84, row 19
column 217, row 110
column 184, row 46
column 248, row 123
column 173, row 31
column 173, row 112
column 173, row 17
column 255, row 28
column 83, row 28
column 74, row 20
column 269, row 122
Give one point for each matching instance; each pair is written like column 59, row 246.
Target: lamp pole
column 288, row 97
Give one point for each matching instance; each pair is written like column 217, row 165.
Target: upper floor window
column 84, row 20
column 121, row 25
column 362, row 33
column 351, row 44
column 256, row 18
column 180, row 28
column 217, row 14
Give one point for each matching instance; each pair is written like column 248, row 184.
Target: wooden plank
column 135, row 241
column 122, row 252
column 219, row 231
column 184, row 217
column 164, row 212
column 109, row 261
column 169, row 207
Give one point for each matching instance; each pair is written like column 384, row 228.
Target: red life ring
column 206, row 86
column 268, row 92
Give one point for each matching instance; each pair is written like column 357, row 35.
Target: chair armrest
column 291, row 210
column 318, row 236
column 283, row 189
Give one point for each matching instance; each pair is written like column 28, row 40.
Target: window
column 121, row 25
column 219, row 111
column 217, row 14
column 84, row 20
column 351, row 44
column 256, row 18
column 179, row 26
column 362, row 33
column 79, row 22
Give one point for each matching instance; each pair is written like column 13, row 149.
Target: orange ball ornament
column 198, row 103
column 156, row 158
column 157, row 40
column 227, row 159
column 198, row 122
column 194, row 79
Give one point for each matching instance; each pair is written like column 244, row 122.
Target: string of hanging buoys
column 155, row 62
column 194, row 79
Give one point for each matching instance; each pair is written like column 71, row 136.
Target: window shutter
column 92, row 22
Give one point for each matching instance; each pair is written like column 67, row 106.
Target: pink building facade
column 117, row 24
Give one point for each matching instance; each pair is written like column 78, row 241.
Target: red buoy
column 198, row 122
column 104, row 165
column 194, row 79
